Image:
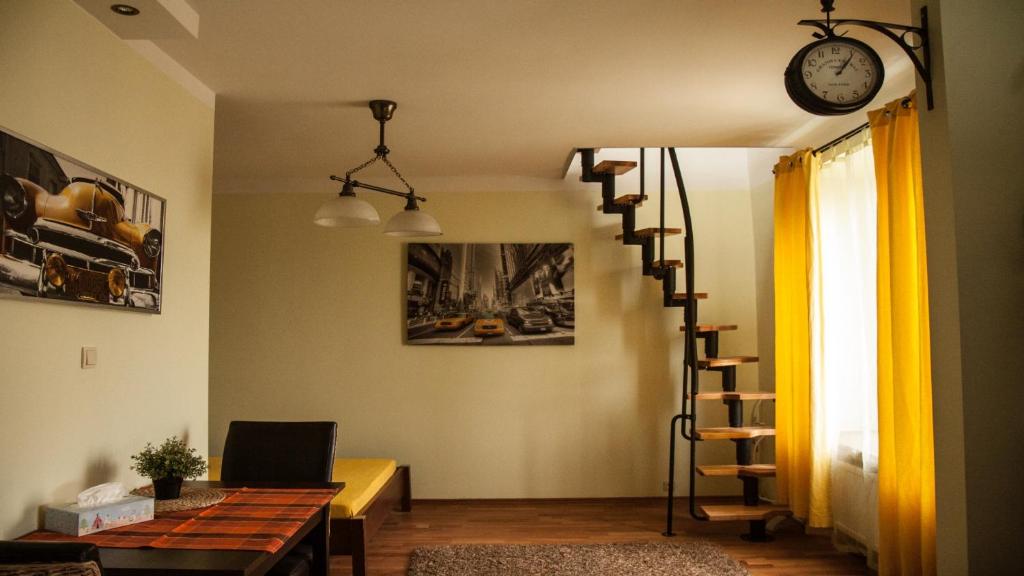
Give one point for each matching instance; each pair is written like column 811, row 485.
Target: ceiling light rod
column 910, row 38
column 358, row 184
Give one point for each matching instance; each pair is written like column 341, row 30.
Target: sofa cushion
column 363, row 478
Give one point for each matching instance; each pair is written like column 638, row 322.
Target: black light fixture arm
column 357, row 184
column 902, row 35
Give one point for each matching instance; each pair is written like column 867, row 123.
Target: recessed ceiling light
column 124, row 9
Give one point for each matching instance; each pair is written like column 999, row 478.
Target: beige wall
column 307, row 324
column 70, row 84
column 762, row 204
column 974, row 200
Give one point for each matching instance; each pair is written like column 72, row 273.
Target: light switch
column 89, row 357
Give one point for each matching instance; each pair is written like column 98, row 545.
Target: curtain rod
column 905, row 103
column 839, row 140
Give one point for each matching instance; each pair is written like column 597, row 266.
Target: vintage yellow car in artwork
column 489, row 325
column 77, row 244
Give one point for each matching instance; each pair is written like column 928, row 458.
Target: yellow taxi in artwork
column 453, row 321
column 489, row 325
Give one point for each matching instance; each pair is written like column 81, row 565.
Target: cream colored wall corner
column 762, row 207
column 307, row 323
column 70, row 84
column 972, row 175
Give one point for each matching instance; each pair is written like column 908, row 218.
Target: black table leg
column 320, row 539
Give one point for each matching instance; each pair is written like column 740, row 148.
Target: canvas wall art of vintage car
column 72, row 233
column 490, row 294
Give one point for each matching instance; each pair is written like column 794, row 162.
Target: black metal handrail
column 691, row 375
column 690, row 360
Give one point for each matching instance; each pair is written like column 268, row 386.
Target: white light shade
column 408, row 223
column 346, row 212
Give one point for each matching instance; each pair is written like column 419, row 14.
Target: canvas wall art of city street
column 490, row 294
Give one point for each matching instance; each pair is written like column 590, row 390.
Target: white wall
column 307, row 324
column 73, row 86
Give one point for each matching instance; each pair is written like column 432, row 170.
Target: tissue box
column 78, row 520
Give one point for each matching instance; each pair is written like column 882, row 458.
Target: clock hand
column 845, row 64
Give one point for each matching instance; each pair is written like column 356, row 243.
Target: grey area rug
column 691, row 558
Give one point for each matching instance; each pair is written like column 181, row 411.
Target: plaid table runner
column 261, row 519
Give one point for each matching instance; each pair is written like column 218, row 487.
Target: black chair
column 281, row 452
column 66, row 555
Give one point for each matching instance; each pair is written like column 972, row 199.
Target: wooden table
column 172, row 562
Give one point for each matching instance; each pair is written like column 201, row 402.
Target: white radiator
column 855, row 503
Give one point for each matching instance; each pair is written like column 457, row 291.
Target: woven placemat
column 191, row 498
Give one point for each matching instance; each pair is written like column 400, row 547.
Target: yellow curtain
column 799, row 482
column 906, row 461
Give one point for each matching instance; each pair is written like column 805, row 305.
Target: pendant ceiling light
column 346, row 210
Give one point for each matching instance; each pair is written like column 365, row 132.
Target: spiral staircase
column 664, row 270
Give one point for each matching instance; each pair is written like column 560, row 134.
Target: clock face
column 834, row 76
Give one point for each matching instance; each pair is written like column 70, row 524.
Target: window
column 843, row 303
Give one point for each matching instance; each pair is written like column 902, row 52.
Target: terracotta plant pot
column 167, row 488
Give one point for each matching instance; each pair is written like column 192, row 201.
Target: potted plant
column 168, row 465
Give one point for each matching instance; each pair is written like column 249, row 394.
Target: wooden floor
column 433, row 523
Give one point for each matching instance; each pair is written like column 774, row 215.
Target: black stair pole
column 711, row 345
column 587, row 165
column 647, row 255
column 758, row 532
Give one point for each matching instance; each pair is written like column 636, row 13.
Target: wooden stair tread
column 734, row 396
column 759, row 470
column 624, row 200
column 681, row 296
column 667, row 264
column 645, row 232
column 730, row 512
column 730, row 433
column 712, row 327
column 725, row 361
column 617, row 167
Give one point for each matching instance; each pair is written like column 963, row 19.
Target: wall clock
column 834, row 75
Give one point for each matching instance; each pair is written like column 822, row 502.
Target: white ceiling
column 501, row 89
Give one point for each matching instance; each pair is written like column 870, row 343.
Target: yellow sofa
column 363, row 478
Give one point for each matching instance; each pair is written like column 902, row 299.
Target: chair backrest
column 279, row 452
column 66, row 558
